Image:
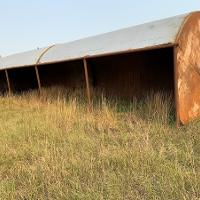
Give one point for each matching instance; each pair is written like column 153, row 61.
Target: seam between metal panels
column 37, row 62
column 36, row 66
column 43, row 53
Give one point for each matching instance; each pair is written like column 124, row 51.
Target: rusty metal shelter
column 161, row 55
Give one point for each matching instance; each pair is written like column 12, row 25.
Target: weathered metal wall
column 188, row 70
column 67, row 74
column 133, row 74
column 22, row 79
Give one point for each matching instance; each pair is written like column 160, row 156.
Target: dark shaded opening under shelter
column 3, row 83
column 133, row 74
column 69, row 75
column 124, row 75
column 22, row 79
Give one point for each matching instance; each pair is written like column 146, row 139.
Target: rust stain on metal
column 188, row 67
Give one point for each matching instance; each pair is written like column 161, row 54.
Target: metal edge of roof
column 128, row 39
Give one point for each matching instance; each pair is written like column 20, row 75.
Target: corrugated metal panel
column 142, row 36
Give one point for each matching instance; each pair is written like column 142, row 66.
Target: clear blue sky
column 29, row 24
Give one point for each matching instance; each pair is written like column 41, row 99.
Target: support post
column 8, row 82
column 36, row 67
column 38, row 78
column 87, row 83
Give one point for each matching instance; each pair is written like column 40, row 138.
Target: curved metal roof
column 151, row 34
column 28, row 58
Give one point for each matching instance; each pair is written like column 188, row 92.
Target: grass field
column 52, row 147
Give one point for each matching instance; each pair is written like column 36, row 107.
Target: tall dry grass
column 53, row 147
